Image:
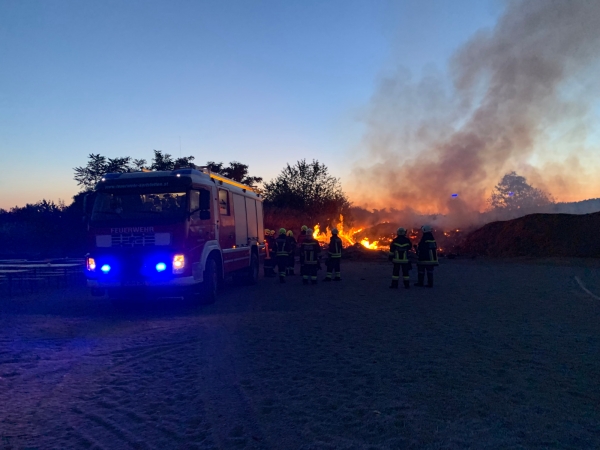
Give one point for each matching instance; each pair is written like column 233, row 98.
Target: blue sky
column 262, row 82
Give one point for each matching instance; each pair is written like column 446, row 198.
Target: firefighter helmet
column 267, row 232
column 304, row 228
column 282, row 231
column 401, row 231
column 290, row 233
column 309, row 231
column 335, row 232
column 426, row 229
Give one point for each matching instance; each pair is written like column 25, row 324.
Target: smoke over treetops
column 521, row 98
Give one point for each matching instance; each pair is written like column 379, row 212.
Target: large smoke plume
column 521, row 97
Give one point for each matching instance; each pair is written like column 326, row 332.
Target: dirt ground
column 496, row 355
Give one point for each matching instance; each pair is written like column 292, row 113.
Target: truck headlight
column 178, row 263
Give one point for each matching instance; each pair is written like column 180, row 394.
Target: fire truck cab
column 181, row 230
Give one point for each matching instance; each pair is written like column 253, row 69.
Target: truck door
column 226, row 221
column 261, row 226
column 238, row 257
column 252, row 220
column 241, row 222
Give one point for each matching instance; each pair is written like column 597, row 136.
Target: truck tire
column 210, row 285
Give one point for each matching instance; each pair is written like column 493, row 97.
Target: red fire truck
column 182, row 230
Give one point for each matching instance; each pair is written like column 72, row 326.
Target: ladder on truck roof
column 222, row 179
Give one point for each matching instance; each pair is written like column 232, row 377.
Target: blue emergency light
column 161, row 266
column 454, row 195
column 105, row 268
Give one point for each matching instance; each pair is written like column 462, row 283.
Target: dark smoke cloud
column 513, row 89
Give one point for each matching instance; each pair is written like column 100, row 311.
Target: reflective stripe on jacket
column 283, row 247
column 428, row 250
column 310, row 251
column 399, row 249
column 335, row 247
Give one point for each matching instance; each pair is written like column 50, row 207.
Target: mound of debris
column 358, row 251
column 539, row 235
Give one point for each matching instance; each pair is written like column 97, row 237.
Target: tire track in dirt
column 581, row 285
column 155, row 389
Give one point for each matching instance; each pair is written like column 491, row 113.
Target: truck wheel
column 211, row 282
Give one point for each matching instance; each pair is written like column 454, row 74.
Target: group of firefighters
column 283, row 249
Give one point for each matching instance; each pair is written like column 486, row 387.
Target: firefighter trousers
column 396, row 273
column 282, row 264
column 421, row 269
column 333, row 267
column 269, row 266
column 309, row 272
column 291, row 264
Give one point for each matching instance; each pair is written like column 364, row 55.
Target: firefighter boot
column 338, row 277
column 421, row 279
column 430, row 279
column 406, row 284
column 394, row 284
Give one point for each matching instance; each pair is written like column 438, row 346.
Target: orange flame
column 346, row 237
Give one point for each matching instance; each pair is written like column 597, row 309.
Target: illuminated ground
column 497, row 355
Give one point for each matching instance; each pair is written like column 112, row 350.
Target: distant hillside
column 539, row 235
column 582, row 207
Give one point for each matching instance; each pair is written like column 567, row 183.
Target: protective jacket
column 272, row 246
column 282, row 245
column 301, row 237
column 335, row 247
column 291, row 241
column 427, row 250
column 310, row 251
column 399, row 249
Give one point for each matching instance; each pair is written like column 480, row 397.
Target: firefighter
column 427, row 257
column 310, row 258
column 292, row 252
column 302, row 235
column 301, row 239
column 399, row 249
column 281, row 244
column 335, row 256
column 270, row 256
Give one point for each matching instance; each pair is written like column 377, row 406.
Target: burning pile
column 353, row 237
column 380, row 236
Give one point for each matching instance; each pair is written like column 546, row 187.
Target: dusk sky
column 262, row 82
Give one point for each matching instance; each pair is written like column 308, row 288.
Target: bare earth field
column 496, row 355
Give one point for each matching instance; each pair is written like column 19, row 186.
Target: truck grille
column 133, row 240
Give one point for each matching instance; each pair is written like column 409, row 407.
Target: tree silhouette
column 514, row 193
column 164, row 161
column 236, row 171
column 89, row 175
column 97, row 166
column 309, row 189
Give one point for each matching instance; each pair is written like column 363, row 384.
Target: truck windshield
column 132, row 206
